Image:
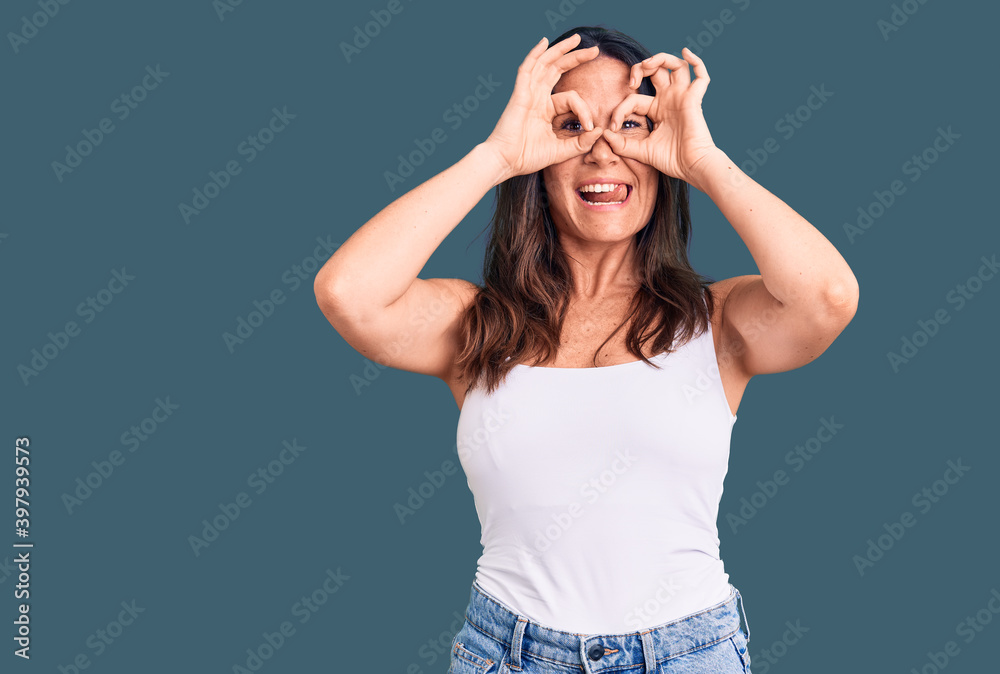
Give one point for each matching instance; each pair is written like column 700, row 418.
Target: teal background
column 291, row 380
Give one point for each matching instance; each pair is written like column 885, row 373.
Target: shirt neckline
column 591, row 367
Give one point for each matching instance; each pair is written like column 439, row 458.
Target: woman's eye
column 574, row 125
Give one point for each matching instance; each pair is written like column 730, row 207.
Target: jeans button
column 596, row 652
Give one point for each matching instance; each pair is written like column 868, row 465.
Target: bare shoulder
column 770, row 336
column 445, row 302
column 419, row 332
column 464, row 291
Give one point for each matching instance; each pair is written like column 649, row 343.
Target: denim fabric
column 496, row 640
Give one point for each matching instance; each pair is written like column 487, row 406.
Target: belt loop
column 584, row 658
column 515, row 643
column 739, row 599
column 648, row 651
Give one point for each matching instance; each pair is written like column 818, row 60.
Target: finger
column 576, row 146
column 571, row 101
column 625, row 147
column 527, row 67
column 572, row 147
column 663, row 69
column 559, row 48
column 542, row 54
column 638, row 104
column 575, row 58
column 701, row 78
column 558, row 59
column 536, row 51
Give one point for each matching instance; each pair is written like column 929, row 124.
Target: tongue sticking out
column 618, row 194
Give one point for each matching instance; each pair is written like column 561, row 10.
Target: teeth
column 605, row 187
column 603, row 203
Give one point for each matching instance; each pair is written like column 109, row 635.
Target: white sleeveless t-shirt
column 598, row 490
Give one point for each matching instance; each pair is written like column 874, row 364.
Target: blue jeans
column 496, row 640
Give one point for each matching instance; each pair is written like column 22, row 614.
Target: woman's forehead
column 596, row 74
column 603, row 83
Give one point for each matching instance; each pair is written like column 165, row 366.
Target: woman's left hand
column 680, row 139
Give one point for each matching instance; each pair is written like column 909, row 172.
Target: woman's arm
column 369, row 290
column 805, row 295
column 376, row 265
column 381, row 260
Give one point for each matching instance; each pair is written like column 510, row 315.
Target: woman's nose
column 601, row 150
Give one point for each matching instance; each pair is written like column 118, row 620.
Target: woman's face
column 602, row 83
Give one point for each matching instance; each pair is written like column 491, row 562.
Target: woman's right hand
column 524, row 139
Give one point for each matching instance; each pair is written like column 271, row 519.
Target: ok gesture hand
column 524, row 138
column 680, row 138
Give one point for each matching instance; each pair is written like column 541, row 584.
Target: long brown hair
column 519, row 310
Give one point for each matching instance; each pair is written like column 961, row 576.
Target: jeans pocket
column 741, row 645
column 465, row 661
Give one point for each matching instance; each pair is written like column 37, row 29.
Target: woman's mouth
column 605, row 197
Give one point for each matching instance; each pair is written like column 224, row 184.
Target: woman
column 597, row 374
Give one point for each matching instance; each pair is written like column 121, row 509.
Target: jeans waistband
column 594, row 653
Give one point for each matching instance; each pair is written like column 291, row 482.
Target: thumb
column 621, row 146
column 586, row 140
column 580, row 144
